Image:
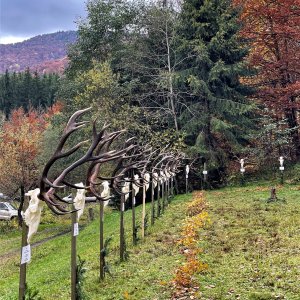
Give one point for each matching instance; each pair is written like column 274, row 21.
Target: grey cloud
column 32, row 17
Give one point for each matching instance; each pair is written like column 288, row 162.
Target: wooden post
column 122, row 232
column 168, row 183
column 168, row 190
column 134, row 237
column 166, row 193
column 186, row 183
column 163, row 197
column 22, row 279
column 281, row 177
column 102, row 261
column 205, row 175
column 152, row 202
column 158, row 199
column 74, row 233
column 143, row 211
column 273, row 197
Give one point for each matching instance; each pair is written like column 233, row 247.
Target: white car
column 7, row 211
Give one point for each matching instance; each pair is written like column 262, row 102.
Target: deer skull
column 32, row 215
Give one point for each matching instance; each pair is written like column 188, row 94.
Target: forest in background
column 217, row 79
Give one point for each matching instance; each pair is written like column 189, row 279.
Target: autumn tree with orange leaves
column 20, row 146
column 273, row 29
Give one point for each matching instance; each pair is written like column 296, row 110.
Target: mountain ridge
column 44, row 53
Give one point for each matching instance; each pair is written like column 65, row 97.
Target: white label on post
column 281, row 168
column 76, row 229
column 243, row 170
column 204, row 172
column 122, row 206
column 133, row 201
column 26, row 255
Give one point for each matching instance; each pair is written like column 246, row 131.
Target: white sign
column 76, row 229
column 187, row 169
column 281, row 160
column 204, row 172
column 133, row 201
column 122, row 206
column 243, row 170
column 281, row 168
column 26, row 254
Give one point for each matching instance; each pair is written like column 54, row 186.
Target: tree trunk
column 293, row 124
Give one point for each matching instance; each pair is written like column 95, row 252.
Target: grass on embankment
column 252, row 247
column 146, row 274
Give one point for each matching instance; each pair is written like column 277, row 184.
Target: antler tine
column 56, row 207
column 99, row 197
column 88, row 156
column 71, row 126
column 99, row 159
column 94, row 168
column 161, row 161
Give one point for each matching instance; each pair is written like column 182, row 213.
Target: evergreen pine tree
column 217, row 111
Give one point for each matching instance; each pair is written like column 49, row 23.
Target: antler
column 94, row 169
column 48, row 188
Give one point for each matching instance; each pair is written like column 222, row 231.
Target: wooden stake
column 22, row 279
column 102, row 261
column 167, row 192
column 122, row 232
column 143, row 212
column 186, row 183
column 152, row 203
column 134, row 237
column 163, row 196
column 74, row 233
column 158, row 199
column 205, row 177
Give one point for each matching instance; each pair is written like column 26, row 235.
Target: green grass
column 145, row 275
column 252, row 247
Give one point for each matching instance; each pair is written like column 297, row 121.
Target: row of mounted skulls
column 141, row 161
column 281, row 167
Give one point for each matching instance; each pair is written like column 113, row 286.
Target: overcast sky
column 22, row 19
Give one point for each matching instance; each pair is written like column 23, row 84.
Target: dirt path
column 14, row 252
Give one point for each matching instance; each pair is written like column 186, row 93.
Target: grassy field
column 252, row 249
column 146, row 274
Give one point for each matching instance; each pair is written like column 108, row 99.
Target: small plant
column 146, row 222
column 104, row 252
column 158, row 209
column 80, row 271
column 32, row 294
column 136, row 229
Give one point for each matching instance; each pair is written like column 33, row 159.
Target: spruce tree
column 215, row 111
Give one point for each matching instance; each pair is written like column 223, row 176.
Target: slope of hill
column 45, row 53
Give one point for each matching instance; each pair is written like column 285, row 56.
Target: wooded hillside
column 44, row 53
